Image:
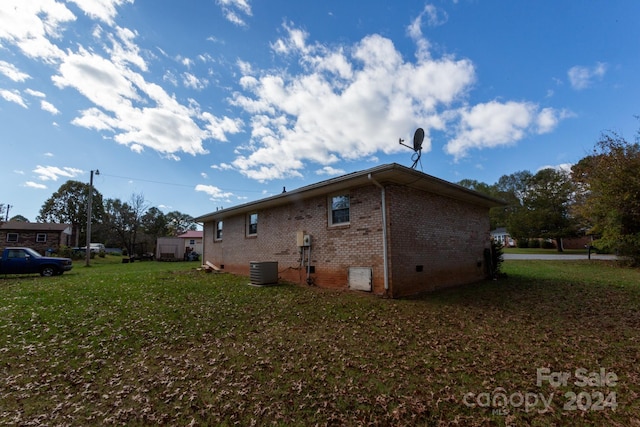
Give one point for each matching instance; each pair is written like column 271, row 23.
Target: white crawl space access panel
column 360, row 278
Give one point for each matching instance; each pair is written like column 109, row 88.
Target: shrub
column 494, row 259
column 548, row 245
column 65, row 251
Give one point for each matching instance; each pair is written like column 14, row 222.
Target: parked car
column 28, row 261
column 94, row 247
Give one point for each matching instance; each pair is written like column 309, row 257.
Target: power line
column 175, row 184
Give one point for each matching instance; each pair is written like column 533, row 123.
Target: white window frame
column 41, row 237
column 331, row 210
column 15, row 238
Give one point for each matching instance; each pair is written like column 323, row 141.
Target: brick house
column 502, row 236
column 390, row 230
column 34, row 235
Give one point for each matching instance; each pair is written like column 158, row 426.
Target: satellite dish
column 418, row 137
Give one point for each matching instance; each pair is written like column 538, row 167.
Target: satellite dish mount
column 418, row 138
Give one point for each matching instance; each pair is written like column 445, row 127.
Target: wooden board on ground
column 209, row 267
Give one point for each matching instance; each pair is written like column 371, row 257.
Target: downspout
column 385, row 251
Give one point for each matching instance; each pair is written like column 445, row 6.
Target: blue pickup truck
column 28, row 261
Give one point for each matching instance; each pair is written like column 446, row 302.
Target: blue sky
column 203, row 104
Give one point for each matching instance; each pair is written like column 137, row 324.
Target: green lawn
column 161, row 343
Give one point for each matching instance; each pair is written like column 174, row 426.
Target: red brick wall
column 28, row 239
column 443, row 235
column 333, row 248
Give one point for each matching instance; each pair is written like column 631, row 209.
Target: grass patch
column 541, row 251
column 150, row 343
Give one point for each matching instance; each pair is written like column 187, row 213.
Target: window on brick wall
column 218, row 230
column 339, row 205
column 252, row 224
column 12, row 237
column 41, row 237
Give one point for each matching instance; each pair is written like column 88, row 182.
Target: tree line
column 598, row 196
column 130, row 225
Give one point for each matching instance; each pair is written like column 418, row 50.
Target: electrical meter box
column 302, row 239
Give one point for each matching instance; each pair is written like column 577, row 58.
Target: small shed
column 170, row 249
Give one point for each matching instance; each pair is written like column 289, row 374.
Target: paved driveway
column 557, row 256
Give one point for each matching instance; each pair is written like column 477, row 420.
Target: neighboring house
column 39, row 236
column 193, row 240
column 501, row 236
column 581, row 242
column 390, row 230
column 175, row 248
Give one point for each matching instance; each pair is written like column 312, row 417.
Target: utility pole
column 8, row 207
column 88, row 248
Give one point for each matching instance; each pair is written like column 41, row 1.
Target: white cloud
column 563, row 167
column 349, row 103
column 233, row 9
column 49, row 107
column 193, row 82
column 328, row 170
column 13, row 96
column 52, row 173
column 104, row 10
column 214, row 192
column 12, row 72
column 116, row 91
column 549, row 118
column 123, row 49
column 35, row 185
column 138, row 113
column 434, row 17
column 170, row 78
column 31, row 24
column 296, row 41
column 495, row 124
column 35, row 93
column 582, row 77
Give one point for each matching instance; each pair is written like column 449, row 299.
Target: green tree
column 496, row 215
column 478, row 186
column 609, row 193
column 114, row 229
column 68, row 205
column 154, row 223
column 545, row 210
column 178, row 223
column 123, row 220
